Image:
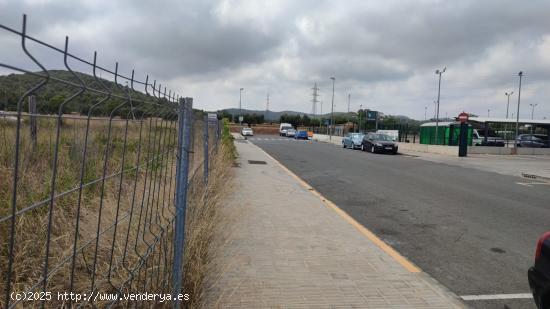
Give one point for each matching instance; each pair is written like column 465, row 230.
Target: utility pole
column 438, row 72
column 520, row 74
column 349, row 101
column 488, row 113
column 331, row 131
column 267, row 103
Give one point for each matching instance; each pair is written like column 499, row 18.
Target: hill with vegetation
column 54, row 93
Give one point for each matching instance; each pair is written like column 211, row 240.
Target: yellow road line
column 408, row 265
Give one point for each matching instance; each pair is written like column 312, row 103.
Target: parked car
column 539, row 274
column 302, row 134
column 290, row 132
column 283, row 127
column 247, row 131
column 352, row 140
column 376, row 142
column 478, row 138
column 532, row 140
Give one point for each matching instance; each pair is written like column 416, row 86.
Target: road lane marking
column 497, row 296
column 529, row 184
column 408, row 265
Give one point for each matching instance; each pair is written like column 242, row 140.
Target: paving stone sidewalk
column 288, row 249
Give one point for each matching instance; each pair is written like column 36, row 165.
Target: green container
column 448, row 134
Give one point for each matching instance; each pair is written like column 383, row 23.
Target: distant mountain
column 273, row 115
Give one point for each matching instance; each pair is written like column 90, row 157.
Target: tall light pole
column 488, row 113
column 438, row 72
column 240, row 105
column 532, row 115
column 331, row 130
column 520, row 74
column 508, row 104
column 349, row 100
column 533, row 110
column 360, row 112
column 508, row 94
column 425, row 113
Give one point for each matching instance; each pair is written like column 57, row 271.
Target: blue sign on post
column 372, row 115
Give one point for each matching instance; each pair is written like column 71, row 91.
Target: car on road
column 247, row 131
column 352, row 140
column 376, row 142
column 283, row 127
column 478, row 137
column 290, row 132
column 301, row 134
column 539, row 274
column 532, row 140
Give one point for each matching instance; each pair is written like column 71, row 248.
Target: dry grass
column 132, row 245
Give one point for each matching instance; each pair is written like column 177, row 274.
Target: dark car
column 532, row 140
column 539, row 274
column 377, row 142
column 301, row 135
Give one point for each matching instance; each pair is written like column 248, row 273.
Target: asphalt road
column 474, row 231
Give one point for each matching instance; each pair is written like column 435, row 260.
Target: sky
column 382, row 53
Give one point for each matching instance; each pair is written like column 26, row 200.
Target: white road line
column 528, row 184
column 497, row 296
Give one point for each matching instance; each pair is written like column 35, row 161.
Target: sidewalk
column 291, row 249
column 515, row 165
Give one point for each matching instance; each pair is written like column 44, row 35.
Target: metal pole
column 185, row 119
column 240, row 105
column 361, row 112
column 331, row 129
column 425, row 113
column 437, row 110
column 532, row 117
column 508, row 104
column 349, row 100
column 520, row 74
column 507, row 109
column 206, row 154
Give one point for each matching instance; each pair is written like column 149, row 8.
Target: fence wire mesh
column 87, row 193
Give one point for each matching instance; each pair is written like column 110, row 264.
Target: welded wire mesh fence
column 88, row 194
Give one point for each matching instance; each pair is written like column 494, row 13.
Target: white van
column 283, row 127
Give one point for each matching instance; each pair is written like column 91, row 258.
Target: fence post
column 32, row 118
column 185, row 120
column 206, row 149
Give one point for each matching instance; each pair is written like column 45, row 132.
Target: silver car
column 352, row 140
column 290, row 132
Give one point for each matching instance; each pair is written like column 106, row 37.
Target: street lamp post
column 425, row 113
column 532, row 117
column 360, row 112
column 240, row 105
column 488, row 113
column 331, row 130
column 508, row 104
column 508, row 94
column 520, row 74
column 438, row 72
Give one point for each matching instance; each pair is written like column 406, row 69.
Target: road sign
column 241, row 118
column 463, row 117
column 372, row 115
